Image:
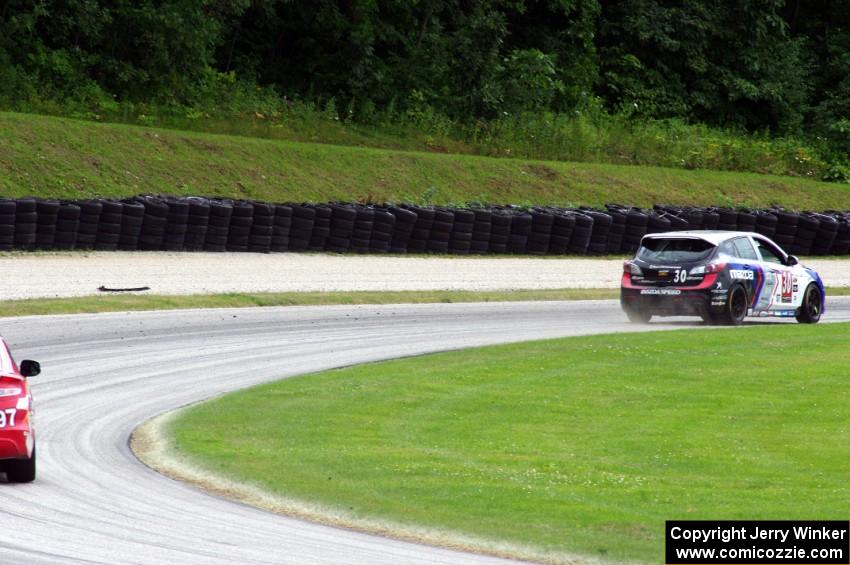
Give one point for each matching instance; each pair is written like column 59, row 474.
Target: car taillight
column 706, row 269
column 631, row 268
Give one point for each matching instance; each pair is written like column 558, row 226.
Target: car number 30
column 680, row 275
column 7, row 417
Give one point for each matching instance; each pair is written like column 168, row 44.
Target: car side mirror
column 792, row 260
column 30, row 368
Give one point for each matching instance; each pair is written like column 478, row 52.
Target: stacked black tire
column 500, row 231
column 197, row 223
column 403, row 226
column 841, row 244
column 361, row 234
column 582, row 233
column 303, row 219
column 67, row 225
column 563, row 226
column 26, row 223
column 8, row 218
column 176, row 224
column 154, row 217
column 262, row 230
column 441, row 231
column 383, row 227
column 209, row 224
column 421, row 233
column 540, row 237
column 218, row 228
column 522, row 225
column 132, row 219
column 281, row 226
column 602, row 222
column 322, row 228
column 460, row 239
column 343, row 217
column 109, row 225
column 47, row 215
column 87, row 229
column 786, row 229
column 482, row 232
column 241, row 220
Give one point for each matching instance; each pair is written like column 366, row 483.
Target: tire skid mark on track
column 88, row 404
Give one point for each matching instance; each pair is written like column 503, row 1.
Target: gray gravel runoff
column 105, row 374
column 42, row 275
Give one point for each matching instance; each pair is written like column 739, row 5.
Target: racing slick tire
column 637, row 315
column 811, row 308
column 21, row 470
column 735, row 311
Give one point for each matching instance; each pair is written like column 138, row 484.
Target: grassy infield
column 577, row 445
column 573, row 445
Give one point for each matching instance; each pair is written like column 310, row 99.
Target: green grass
column 59, row 157
column 130, row 302
column 572, row 445
column 137, row 302
column 591, row 135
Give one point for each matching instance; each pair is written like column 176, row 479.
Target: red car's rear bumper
column 14, row 444
column 16, row 437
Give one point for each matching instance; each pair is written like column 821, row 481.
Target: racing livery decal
column 720, row 276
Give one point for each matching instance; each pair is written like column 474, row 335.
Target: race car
column 721, row 276
column 17, row 437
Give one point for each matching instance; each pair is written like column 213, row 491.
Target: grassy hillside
column 67, row 158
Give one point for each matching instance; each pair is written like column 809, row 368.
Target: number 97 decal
column 7, row 417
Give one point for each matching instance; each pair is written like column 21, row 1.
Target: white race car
column 722, row 276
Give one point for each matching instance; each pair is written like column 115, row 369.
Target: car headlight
column 10, row 392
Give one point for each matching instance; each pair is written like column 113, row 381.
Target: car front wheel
column 812, row 306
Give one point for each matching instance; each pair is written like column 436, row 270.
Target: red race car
column 17, row 438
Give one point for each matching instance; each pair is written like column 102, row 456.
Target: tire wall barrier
column 167, row 223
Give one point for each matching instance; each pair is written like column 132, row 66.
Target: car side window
column 745, row 248
column 727, row 248
column 768, row 254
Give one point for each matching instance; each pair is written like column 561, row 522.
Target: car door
column 745, row 268
column 779, row 291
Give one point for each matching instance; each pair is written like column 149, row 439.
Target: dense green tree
column 824, row 28
column 776, row 65
column 463, row 57
column 728, row 62
column 142, row 50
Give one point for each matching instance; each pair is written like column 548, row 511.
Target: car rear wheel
column 811, row 308
column 638, row 316
column 21, row 470
column 736, row 307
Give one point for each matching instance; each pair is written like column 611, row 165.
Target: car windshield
column 674, row 250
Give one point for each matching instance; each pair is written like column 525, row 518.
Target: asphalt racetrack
column 105, row 374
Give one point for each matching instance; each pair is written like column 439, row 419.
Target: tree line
column 781, row 66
